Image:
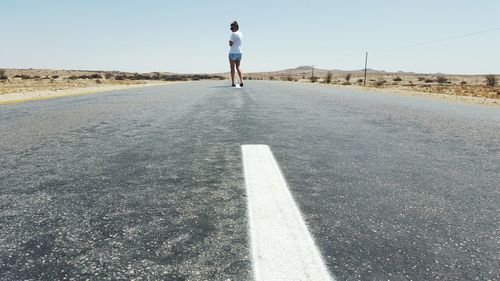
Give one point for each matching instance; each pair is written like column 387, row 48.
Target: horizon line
column 372, row 70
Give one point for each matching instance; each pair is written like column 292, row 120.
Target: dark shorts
column 235, row 57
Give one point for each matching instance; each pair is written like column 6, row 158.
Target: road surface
column 149, row 183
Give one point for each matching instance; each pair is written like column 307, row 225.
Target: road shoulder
column 435, row 96
column 19, row 97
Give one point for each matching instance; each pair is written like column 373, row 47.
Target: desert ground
column 30, row 84
column 17, row 85
column 463, row 88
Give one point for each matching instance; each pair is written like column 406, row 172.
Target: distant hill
column 305, row 71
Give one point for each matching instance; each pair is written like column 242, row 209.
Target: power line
column 443, row 40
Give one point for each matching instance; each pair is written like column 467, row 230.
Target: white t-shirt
column 236, row 38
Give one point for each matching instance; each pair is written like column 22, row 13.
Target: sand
column 23, row 96
column 437, row 96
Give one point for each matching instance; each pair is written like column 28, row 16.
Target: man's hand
column 230, row 43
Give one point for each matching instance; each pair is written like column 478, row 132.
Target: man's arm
column 232, row 39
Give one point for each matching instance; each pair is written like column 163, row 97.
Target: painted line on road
column 282, row 247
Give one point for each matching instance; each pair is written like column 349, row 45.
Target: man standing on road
column 235, row 52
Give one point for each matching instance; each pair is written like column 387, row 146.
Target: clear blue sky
column 191, row 36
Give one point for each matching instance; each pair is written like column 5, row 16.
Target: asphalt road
column 148, row 183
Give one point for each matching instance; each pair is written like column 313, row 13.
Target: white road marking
column 282, row 247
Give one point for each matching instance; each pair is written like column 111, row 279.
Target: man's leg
column 232, row 63
column 239, row 72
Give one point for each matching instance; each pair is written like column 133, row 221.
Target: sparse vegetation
column 348, row 77
column 458, row 85
column 22, row 76
column 314, row 79
column 441, row 79
column 155, row 77
column 177, row 77
column 380, row 82
column 491, row 80
column 120, row 77
column 3, row 76
column 91, row 76
column 328, row 78
column 34, row 80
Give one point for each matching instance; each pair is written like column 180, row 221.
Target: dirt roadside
column 17, row 97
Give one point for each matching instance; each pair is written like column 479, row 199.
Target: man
column 235, row 52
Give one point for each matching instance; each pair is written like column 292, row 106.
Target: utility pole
column 312, row 72
column 366, row 65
